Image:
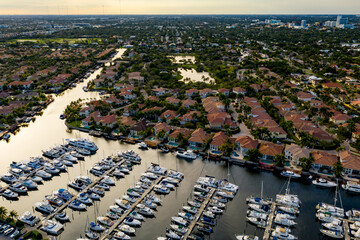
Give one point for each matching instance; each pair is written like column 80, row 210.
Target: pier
column 346, row 229
column 267, row 233
column 133, row 206
column 66, row 204
column 198, row 215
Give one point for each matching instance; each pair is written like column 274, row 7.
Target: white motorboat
column 325, row 217
column 172, row 235
column 112, row 215
column 194, row 203
column 215, row 210
column 18, row 188
column 216, row 203
column 77, row 185
column 150, row 175
column 44, row 175
column 69, row 157
column 156, row 169
column 189, row 216
column 45, row 207
column 290, row 210
column 36, row 179
column 290, row 174
column 225, row 194
column 160, row 189
column 286, row 215
column 225, row 185
column 91, row 235
column 108, row 181
column 257, row 200
column 29, row 218
column 123, row 203
column 96, row 227
column 335, row 226
column 281, row 220
column 154, row 199
column 209, row 214
column 247, row 237
column 132, row 222
column 49, row 168
column 29, row 184
column 180, row 221
column 353, row 215
column 63, row 194
column 142, row 145
column 148, row 203
column 260, row 208
column 116, row 209
column 289, row 200
column 118, row 174
column 175, row 174
column 355, row 226
column 256, row 221
column 256, row 214
column 54, row 200
column 10, row 194
column 173, row 181
column 129, row 198
column 84, row 198
column 352, row 187
column 51, row 227
column 187, row 155
column 105, row 221
column 144, row 210
column 331, row 209
column 179, row 228
column 333, row 234
column 121, row 236
column 62, row 217
column 126, row 229
column 9, row 178
column 132, row 193
column 189, row 209
column 83, row 143
column 77, row 205
column 59, row 165
column 136, row 216
column 321, row 182
column 282, row 233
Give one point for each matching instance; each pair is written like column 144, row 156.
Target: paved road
column 244, row 131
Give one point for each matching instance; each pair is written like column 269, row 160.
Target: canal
column 48, row 130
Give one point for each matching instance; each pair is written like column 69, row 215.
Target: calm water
column 48, row 131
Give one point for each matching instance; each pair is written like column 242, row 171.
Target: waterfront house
column 220, row 119
column 173, row 137
column 323, row 161
column 269, row 150
column 245, row 143
column 350, row 162
column 162, row 127
column 217, row 141
column 198, row 138
column 168, row 115
column 138, row 128
column 294, row 152
column 92, row 119
column 84, row 112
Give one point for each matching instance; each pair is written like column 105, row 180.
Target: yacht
column 260, row 208
column 107, row 222
column 108, row 181
column 18, row 188
column 143, row 210
column 150, row 175
column 352, row 187
column 9, row 178
column 123, row 203
column 256, row 214
column 189, row 209
column 257, row 200
column 175, row 174
column 353, row 215
column 36, row 179
column 209, row 214
column 54, row 200
column 170, row 180
column 148, row 203
column 160, row 189
column 208, row 181
column 126, row 229
column 62, row 217
column 194, row 203
column 85, row 179
column 281, row 220
column 130, row 155
column 96, row 227
column 77, row 185
column 83, row 143
column 154, row 199
column 29, row 219
column 215, row 210
column 136, row 216
column 187, row 155
column 290, row 210
column 321, row 182
column 116, row 209
column 77, row 205
column 282, row 233
column 121, row 236
column 29, row 184
column 331, row 209
column 45, row 207
column 290, row 174
column 156, row 169
column 225, row 194
column 178, row 228
column 51, row 227
column 112, row 215
column 129, row 198
column 326, row 217
column 69, row 157
column 246, row 237
column 225, row 185
column 332, row 234
column 289, row 200
column 44, row 175
column 132, row 221
column 142, row 145
column 63, row 194
column 172, row 235
column 84, row 198
column 335, row 226
column 131, row 192
column 257, row 222
column 188, row 216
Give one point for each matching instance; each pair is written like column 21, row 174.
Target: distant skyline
column 63, row 7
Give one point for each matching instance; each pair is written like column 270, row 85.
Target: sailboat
column 258, row 200
column 329, row 210
column 88, row 233
column 289, row 200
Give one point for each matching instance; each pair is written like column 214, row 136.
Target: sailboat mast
column 262, row 186
column 288, row 187
column 336, row 191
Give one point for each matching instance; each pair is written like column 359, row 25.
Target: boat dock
column 267, row 232
column 133, row 206
column 198, row 215
column 346, row 229
column 66, row 204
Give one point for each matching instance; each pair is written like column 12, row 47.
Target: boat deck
column 268, row 229
column 198, row 215
column 133, row 206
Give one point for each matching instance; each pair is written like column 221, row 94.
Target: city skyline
column 178, row 7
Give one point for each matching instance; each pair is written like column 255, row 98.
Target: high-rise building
column 303, row 23
column 341, row 21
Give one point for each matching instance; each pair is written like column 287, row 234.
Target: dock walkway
column 133, row 206
column 267, row 233
column 198, row 215
column 66, row 204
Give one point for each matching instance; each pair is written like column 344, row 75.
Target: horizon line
column 187, row 14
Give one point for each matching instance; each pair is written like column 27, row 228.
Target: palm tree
column 13, row 214
column 306, row 163
column 279, row 160
column 338, row 168
column 253, row 155
column 3, row 212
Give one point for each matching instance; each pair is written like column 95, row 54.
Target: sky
column 18, row 7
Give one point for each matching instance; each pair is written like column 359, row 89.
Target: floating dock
column 198, row 215
column 267, row 233
column 133, row 206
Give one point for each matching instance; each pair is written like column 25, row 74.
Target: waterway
column 48, row 130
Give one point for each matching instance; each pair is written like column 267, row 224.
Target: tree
column 161, row 134
column 13, row 214
column 279, row 160
column 261, row 133
column 338, row 168
column 3, row 212
column 306, row 163
column 227, row 147
column 253, row 155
